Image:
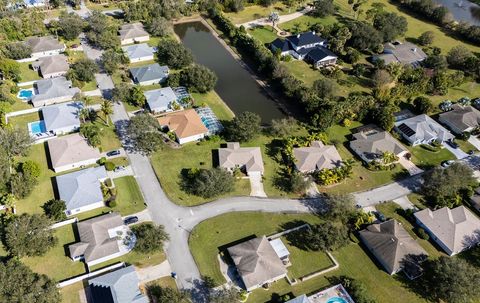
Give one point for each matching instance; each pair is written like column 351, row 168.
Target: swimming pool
column 337, row 300
column 25, row 94
column 37, row 127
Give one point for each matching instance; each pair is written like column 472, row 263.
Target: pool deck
column 325, row 296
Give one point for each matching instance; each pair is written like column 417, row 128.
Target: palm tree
column 83, row 114
column 273, row 17
column 107, row 110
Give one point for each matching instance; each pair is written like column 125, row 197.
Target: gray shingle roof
column 160, row 99
column 43, row 44
column 300, row 299
column 317, row 156
column 131, row 31
column 405, row 53
column 136, row 51
column 391, row 244
column 149, row 72
column 462, row 117
column 123, row 286
column 256, row 261
column 54, row 88
column 371, row 145
column 52, row 64
column 456, row 228
column 423, row 128
column 62, row 115
column 70, row 149
column 234, row 155
column 81, row 188
column 305, row 38
column 95, row 241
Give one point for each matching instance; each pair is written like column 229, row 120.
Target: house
column 52, row 66
column 62, row 118
column 475, row 199
column 316, row 157
column 33, row 3
column 305, row 46
column 70, row 152
column 422, row 129
column 149, row 74
column 101, row 239
column 461, row 118
column 257, row 263
column 370, row 143
column 161, row 100
column 139, row 52
column 81, row 190
column 248, row 159
column 454, row 230
column 52, row 91
column 393, row 247
column 300, row 299
column 405, row 53
column 45, row 46
column 185, row 124
column 133, row 33
column 119, row 286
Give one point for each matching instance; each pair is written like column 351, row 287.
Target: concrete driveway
column 155, row 272
column 474, row 141
column 457, row 152
column 127, row 171
column 404, row 203
column 256, row 184
column 409, row 166
column 143, row 216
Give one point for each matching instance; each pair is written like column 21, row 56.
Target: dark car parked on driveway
column 130, row 220
column 113, row 153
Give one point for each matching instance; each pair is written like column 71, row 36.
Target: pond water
column 235, row 85
column 462, row 10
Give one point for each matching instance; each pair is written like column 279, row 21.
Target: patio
column 334, row 294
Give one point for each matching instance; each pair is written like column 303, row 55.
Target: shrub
column 150, row 237
column 109, row 166
column 102, row 161
column 112, row 203
column 55, row 210
column 423, row 234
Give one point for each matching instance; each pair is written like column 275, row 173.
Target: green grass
column 55, row 263
column 254, row 12
column 165, row 282
column 303, row 23
column 89, row 86
column 424, row 158
column 134, row 258
column 108, row 137
column 129, row 196
column 120, row 161
column 390, row 210
column 19, row 105
column 70, row 293
column 465, row 145
column 213, row 100
column 468, row 89
column 354, row 262
column 265, row 34
column 27, row 73
column 362, row 178
column 43, row 191
column 23, row 120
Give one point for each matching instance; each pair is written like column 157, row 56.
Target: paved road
column 282, row 19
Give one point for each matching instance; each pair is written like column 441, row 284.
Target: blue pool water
column 25, row 94
column 37, row 127
column 336, row 300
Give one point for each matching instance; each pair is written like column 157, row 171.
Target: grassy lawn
column 89, row 86
column 362, row 178
column 108, row 137
column 129, row 196
column 213, row 100
column 303, row 23
column 253, row 12
column 27, row 73
column 56, row 264
column 391, row 210
column 468, row 89
column 164, row 282
column 265, row 34
column 70, row 293
column 354, row 262
column 134, row 258
column 20, row 105
column 23, row 120
column 44, row 189
column 424, row 158
column 120, row 161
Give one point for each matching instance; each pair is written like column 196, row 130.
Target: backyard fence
column 89, row 275
column 63, row 223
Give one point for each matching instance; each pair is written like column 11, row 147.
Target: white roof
column 160, row 99
column 62, row 115
column 279, row 248
column 138, row 50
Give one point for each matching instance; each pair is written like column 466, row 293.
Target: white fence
column 63, row 223
column 28, row 83
column 89, row 275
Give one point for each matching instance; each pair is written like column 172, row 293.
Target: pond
column 235, row 85
column 462, row 10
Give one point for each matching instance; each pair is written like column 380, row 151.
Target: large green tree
column 19, row 284
column 83, row 70
column 29, row 235
column 55, row 209
column 326, row 236
column 208, row 183
column 144, row 130
column 173, row 54
column 198, row 78
column 150, row 238
column 244, row 127
column 69, row 25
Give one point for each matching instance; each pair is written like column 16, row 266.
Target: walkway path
column 155, row 272
column 282, row 19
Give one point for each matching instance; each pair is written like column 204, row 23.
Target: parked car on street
column 130, row 220
column 447, row 163
column 113, row 153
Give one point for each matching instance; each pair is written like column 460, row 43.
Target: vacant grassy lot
column 303, row 23
column 392, row 211
column 265, row 34
column 254, row 12
column 354, row 262
column 424, row 158
column 56, row 264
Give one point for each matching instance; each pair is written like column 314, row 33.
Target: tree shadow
column 296, row 238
